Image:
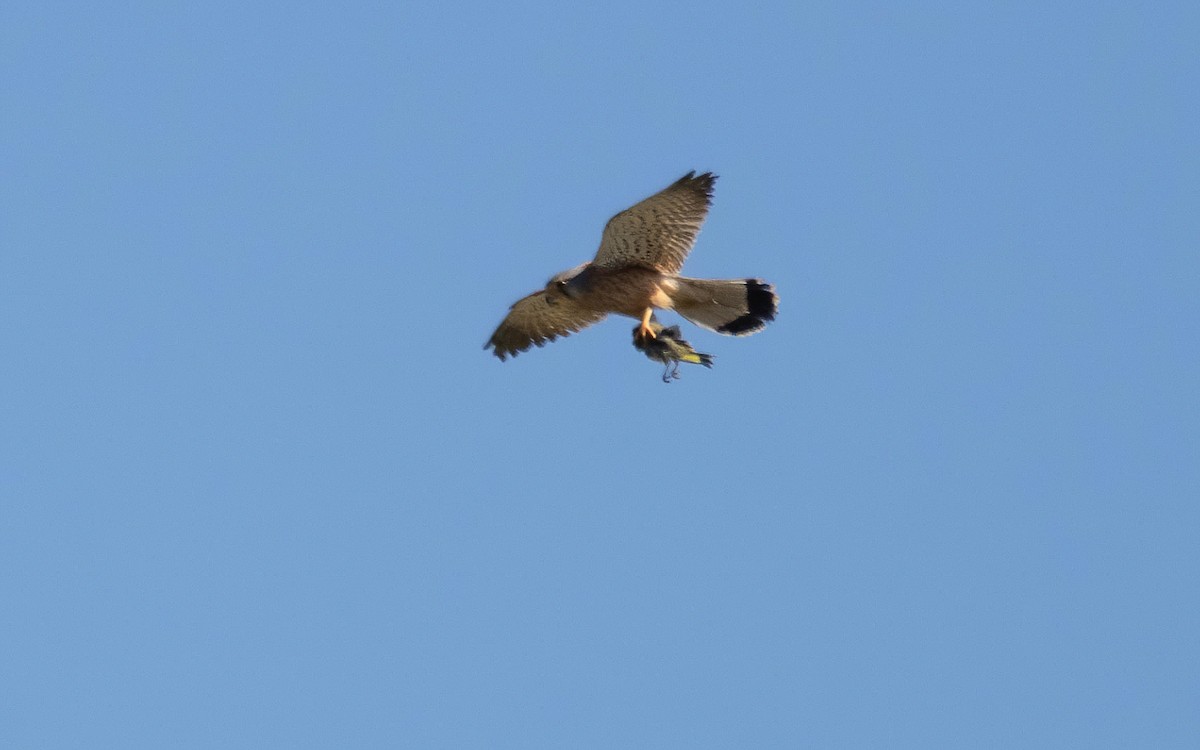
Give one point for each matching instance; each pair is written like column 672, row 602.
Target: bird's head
column 570, row 283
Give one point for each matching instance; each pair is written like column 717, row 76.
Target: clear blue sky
column 261, row 487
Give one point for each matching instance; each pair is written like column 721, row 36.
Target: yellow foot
column 644, row 330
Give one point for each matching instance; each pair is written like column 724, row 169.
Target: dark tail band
column 761, row 303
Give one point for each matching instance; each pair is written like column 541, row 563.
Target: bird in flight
column 635, row 271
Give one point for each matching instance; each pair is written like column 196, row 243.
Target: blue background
column 261, row 487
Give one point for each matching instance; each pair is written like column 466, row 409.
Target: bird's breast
column 627, row 291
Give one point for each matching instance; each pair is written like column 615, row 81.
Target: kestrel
column 635, row 271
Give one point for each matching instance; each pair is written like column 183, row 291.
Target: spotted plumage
column 635, row 271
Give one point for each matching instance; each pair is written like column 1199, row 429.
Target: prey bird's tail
column 735, row 307
column 696, row 358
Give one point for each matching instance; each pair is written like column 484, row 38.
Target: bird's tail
column 697, row 358
column 736, row 307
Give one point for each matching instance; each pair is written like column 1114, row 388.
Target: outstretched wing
column 536, row 319
column 659, row 232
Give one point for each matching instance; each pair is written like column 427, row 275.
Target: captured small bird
column 668, row 346
column 635, row 271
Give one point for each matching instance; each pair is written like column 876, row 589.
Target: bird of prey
column 669, row 347
column 635, row 271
